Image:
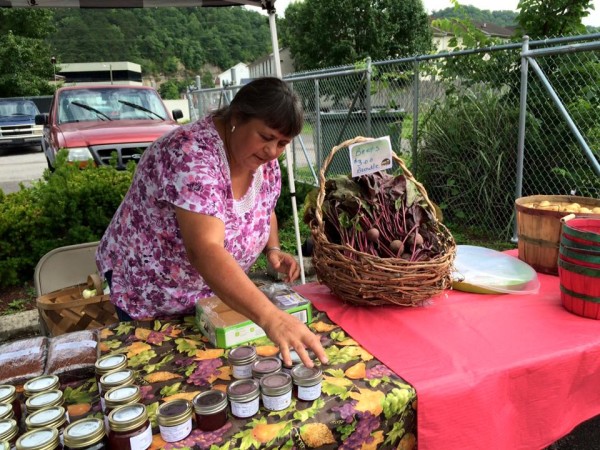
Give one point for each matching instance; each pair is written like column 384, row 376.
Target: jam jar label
column 177, row 432
column 245, row 409
column 277, row 403
column 142, row 441
column 242, row 372
column 309, row 392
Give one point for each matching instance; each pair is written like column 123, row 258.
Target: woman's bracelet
column 268, row 250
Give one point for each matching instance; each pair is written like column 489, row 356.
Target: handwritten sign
column 372, row 156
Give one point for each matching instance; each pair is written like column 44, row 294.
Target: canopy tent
column 268, row 5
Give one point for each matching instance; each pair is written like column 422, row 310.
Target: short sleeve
column 192, row 173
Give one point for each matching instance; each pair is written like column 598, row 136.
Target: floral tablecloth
column 364, row 405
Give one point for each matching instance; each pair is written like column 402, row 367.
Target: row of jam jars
column 120, row 396
column 107, row 364
column 111, row 380
column 8, row 395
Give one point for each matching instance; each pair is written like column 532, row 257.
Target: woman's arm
column 204, row 238
column 281, row 261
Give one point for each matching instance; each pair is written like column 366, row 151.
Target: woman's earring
column 233, row 128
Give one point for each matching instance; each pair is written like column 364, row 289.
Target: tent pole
column 288, row 151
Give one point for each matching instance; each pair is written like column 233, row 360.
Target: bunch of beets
column 382, row 215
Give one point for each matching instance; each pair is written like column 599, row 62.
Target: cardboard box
column 226, row 328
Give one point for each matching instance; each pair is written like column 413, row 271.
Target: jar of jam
column 121, row 395
column 129, row 428
column 124, row 377
column 211, row 410
column 295, row 359
column 9, row 430
column 265, row 366
column 241, row 360
column 243, row 397
column 276, row 391
column 86, row 434
column 6, row 411
column 108, row 381
column 43, row 400
column 51, row 417
column 39, row 439
column 109, row 363
column 8, row 394
column 40, row 384
column 175, row 420
column 307, row 382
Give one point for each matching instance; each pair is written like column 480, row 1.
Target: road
column 20, row 165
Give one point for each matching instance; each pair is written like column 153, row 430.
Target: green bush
column 69, row 206
column 467, row 160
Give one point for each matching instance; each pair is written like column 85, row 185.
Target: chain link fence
column 454, row 119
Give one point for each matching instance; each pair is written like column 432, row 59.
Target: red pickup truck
column 109, row 124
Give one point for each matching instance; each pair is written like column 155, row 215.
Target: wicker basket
column 66, row 310
column 363, row 279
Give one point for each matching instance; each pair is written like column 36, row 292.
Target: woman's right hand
column 288, row 333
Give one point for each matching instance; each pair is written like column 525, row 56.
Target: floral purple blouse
column 152, row 276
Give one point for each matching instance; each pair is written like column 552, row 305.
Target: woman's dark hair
column 268, row 99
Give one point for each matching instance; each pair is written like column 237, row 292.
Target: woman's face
column 254, row 143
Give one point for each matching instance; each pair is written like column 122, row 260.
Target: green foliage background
column 69, row 206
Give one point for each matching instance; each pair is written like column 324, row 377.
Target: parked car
column 17, row 123
column 104, row 123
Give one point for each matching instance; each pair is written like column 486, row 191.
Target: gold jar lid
column 41, row 384
column 39, row 439
column 117, row 378
column 122, row 395
column 44, row 399
column 6, row 411
column 110, row 363
column 4, row 445
column 8, row 393
column 51, row 417
column 8, row 429
column 174, row 413
column 127, row 417
column 84, row 433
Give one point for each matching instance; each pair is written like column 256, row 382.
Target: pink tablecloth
column 491, row 371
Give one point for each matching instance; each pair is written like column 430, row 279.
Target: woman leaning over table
column 199, row 212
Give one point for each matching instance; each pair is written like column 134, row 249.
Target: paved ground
column 20, row 165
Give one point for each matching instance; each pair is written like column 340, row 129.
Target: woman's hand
column 288, row 333
column 284, row 263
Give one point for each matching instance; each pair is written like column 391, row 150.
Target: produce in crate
column 377, row 239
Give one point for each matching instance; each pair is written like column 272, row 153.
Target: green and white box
column 227, row 328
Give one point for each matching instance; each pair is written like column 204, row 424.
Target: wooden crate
column 66, row 310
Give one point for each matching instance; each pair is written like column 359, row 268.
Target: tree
column 25, row 66
column 548, row 18
column 326, row 33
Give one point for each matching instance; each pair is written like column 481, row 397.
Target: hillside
column 162, row 40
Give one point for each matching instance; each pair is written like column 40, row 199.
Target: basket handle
column 93, row 280
column 357, row 140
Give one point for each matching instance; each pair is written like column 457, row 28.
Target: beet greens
column 381, row 214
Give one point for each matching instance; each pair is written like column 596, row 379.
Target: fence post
column 522, row 119
column 368, row 75
column 317, row 133
column 415, row 130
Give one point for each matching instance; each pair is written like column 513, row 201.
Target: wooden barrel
column 539, row 230
column 579, row 268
